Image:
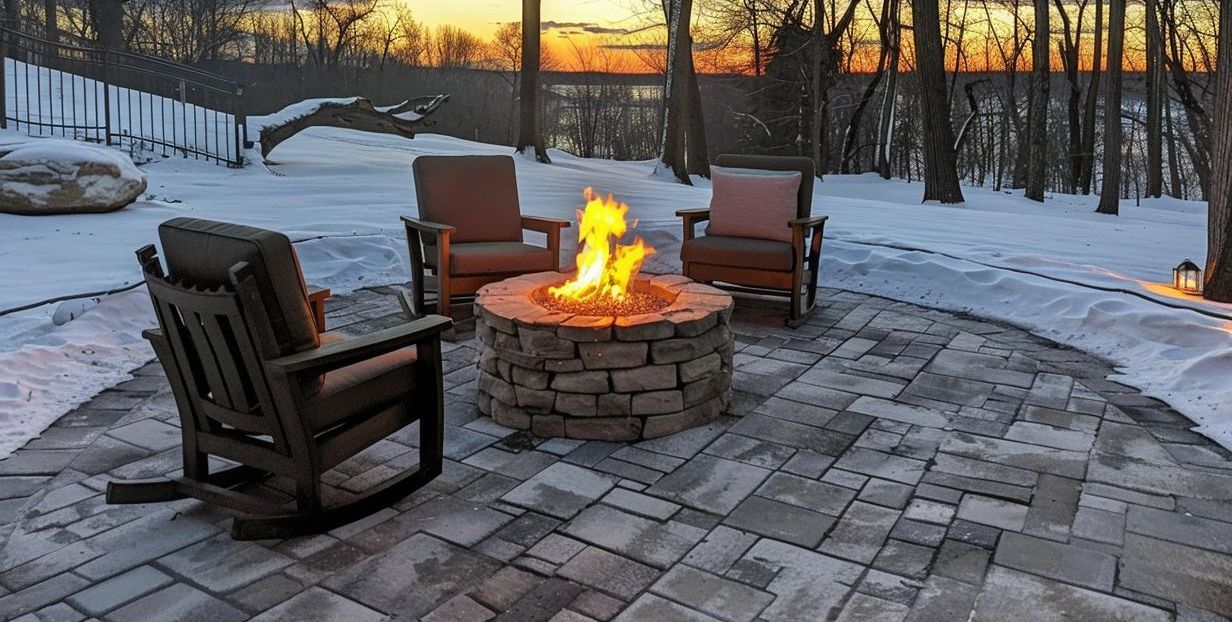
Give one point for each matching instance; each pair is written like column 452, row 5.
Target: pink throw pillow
column 753, row 203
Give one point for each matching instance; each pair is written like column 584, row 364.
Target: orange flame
column 605, row 266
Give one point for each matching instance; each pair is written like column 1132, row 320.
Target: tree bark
column 885, row 125
column 1110, row 190
column 400, row 120
column 1154, row 104
column 1037, row 111
column 530, row 137
column 1218, row 286
column 696, row 149
column 108, row 18
column 675, row 91
column 51, row 25
column 1070, row 57
column 940, row 169
column 1087, row 171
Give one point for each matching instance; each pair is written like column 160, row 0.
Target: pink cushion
column 753, row 203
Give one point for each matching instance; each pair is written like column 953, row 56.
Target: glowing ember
column 632, row 303
column 605, row 266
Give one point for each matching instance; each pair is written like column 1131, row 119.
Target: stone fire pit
column 601, row 377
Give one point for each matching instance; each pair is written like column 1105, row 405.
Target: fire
column 605, row 266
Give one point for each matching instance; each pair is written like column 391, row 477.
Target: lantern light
column 1187, row 277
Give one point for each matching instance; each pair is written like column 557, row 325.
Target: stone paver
column 881, row 462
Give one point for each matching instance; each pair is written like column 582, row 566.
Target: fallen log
column 355, row 113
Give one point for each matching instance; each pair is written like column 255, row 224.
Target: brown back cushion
column 804, row 206
column 202, row 252
column 476, row 195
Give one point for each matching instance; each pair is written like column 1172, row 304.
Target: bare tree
column 1071, row 46
column 1218, row 285
column 940, row 169
column 530, row 136
column 1154, row 103
column 676, row 88
column 1087, row 166
column 1110, row 190
column 892, row 39
column 108, row 22
column 1037, row 110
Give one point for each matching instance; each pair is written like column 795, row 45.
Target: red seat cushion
column 718, row 250
column 499, row 258
column 363, row 388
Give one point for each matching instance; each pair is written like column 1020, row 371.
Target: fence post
column 4, row 98
column 241, row 125
column 106, row 97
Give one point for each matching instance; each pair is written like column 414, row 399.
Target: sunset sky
column 569, row 24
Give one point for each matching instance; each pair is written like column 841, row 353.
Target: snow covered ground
column 1057, row 269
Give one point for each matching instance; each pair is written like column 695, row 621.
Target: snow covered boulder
column 59, row 176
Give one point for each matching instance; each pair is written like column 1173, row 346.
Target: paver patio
column 883, row 462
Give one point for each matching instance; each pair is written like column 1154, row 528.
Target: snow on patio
column 1058, row 269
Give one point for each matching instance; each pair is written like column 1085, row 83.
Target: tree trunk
column 51, row 25
column 1154, row 104
column 530, row 137
column 1175, row 187
column 853, row 126
column 1088, row 117
column 885, row 125
column 1218, row 285
column 1110, row 190
column 819, row 43
column 675, row 91
column 940, row 169
column 697, row 151
column 1037, row 111
column 1070, row 57
column 109, row 23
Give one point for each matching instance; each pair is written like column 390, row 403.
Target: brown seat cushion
column 753, row 253
column 365, row 387
column 499, row 258
column 476, row 195
column 202, row 252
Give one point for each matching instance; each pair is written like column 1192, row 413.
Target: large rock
column 57, row 176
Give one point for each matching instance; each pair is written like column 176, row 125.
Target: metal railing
column 138, row 102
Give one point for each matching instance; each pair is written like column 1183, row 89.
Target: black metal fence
column 137, row 102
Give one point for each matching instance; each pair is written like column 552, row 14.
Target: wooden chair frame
column 800, row 285
column 421, row 235
column 242, row 401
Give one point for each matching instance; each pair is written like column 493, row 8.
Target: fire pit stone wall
column 602, row 377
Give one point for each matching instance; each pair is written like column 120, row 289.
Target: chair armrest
column 354, row 349
column 550, row 227
column 316, row 301
column 692, row 217
column 808, row 222
column 543, row 225
column 424, row 226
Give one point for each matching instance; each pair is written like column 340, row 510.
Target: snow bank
column 60, row 367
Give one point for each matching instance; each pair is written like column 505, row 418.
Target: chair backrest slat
column 216, row 351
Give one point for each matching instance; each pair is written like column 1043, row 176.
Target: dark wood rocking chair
column 756, row 266
column 469, row 230
column 256, row 384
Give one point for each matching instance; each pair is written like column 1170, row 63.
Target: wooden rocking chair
column 256, row 384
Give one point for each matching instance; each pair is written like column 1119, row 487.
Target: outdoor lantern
column 1187, row 277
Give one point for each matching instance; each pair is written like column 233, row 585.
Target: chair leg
column 442, row 293
column 217, row 488
column 253, row 527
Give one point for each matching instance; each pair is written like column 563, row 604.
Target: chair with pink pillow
column 761, row 236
